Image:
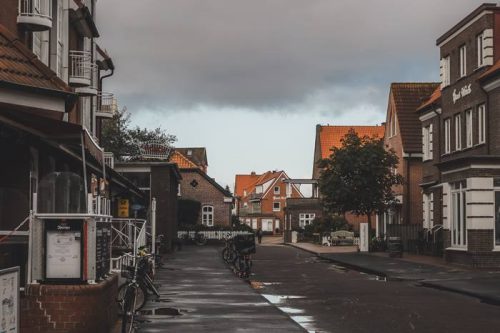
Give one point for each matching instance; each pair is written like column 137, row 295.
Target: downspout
column 84, row 162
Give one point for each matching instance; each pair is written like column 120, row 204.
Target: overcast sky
column 250, row 79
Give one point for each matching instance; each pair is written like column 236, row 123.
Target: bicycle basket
column 245, row 244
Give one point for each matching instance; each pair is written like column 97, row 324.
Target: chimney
column 253, row 173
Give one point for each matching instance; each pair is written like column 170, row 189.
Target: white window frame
column 447, row 136
column 306, row 219
column 445, row 71
column 428, row 211
column 207, row 215
column 427, row 142
column 463, row 60
column 480, row 50
column 278, row 191
column 481, row 123
column 274, row 206
column 469, row 138
column 458, row 131
column 458, row 216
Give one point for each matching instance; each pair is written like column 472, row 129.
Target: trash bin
column 395, row 247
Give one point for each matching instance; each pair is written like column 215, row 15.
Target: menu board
column 63, row 241
column 103, row 249
column 9, row 296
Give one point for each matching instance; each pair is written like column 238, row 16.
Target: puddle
column 289, row 310
column 163, row 312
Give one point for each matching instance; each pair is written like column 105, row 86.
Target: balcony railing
column 109, row 159
column 106, row 105
column 81, row 68
column 35, row 15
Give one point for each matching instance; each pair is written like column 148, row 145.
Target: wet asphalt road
column 327, row 298
column 200, row 294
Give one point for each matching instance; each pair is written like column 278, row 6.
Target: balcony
column 35, row 15
column 109, row 159
column 106, row 105
column 83, row 72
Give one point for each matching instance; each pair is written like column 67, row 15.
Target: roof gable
column 331, row 136
column 197, row 155
column 405, row 98
column 181, row 161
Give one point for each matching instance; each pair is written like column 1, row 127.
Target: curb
column 482, row 297
column 347, row 265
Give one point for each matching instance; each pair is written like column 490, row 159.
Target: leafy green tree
column 358, row 177
column 117, row 136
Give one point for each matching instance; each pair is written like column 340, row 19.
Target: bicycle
column 228, row 252
column 198, row 238
column 244, row 246
column 141, row 271
column 133, row 299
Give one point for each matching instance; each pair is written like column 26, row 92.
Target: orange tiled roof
column 406, row 98
column 181, row 161
column 492, row 70
column 436, row 96
column 245, row 183
column 18, row 65
column 331, row 136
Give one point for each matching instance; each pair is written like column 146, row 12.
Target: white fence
column 219, row 234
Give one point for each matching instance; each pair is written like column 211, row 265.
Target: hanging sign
column 123, row 208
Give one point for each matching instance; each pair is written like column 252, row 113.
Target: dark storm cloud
column 327, row 55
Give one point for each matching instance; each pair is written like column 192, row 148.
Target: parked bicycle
column 198, row 238
column 133, row 294
column 237, row 253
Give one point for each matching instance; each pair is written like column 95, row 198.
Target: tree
column 188, row 212
column 358, row 177
column 118, row 138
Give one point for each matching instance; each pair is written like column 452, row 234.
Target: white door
column 254, row 224
column 267, row 224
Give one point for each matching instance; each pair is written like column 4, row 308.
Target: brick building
column 403, row 135
column 216, row 202
column 460, row 124
column 51, row 104
column 328, row 137
column 261, row 199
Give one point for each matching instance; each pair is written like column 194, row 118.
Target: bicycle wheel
column 225, row 255
column 129, row 302
column 141, row 296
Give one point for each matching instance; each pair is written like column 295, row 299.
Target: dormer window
column 463, row 61
column 276, row 190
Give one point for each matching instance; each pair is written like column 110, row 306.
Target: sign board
column 363, row 237
column 123, row 208
column 103, row 249
column 63, row 246
column 9, row 297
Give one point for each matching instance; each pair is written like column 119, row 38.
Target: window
column 276, row 206
column 458, row 132
column 463, row 61
column 276, row 190
column 306, row 219
column 445, row 72
column 427, row 142
column 392, row 125
column 207, row 217
column 480, row 53
column 60, row 39
column 428, row 200
column 447, row 136
column 481, row 123
column 468, row 128
column 458, row 215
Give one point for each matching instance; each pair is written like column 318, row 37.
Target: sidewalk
column 200, row 294
column 428, row 272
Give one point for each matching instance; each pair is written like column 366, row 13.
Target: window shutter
column 488, row 47
column 430, row 142
column 442, row 72
column 424, row 143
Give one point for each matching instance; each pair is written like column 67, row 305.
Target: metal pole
column 30, row 246
column 153, row 230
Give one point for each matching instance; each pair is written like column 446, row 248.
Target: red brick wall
column 206, row 194
column 70, row 308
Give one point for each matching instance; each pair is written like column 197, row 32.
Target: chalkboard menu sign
column 103, row 249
